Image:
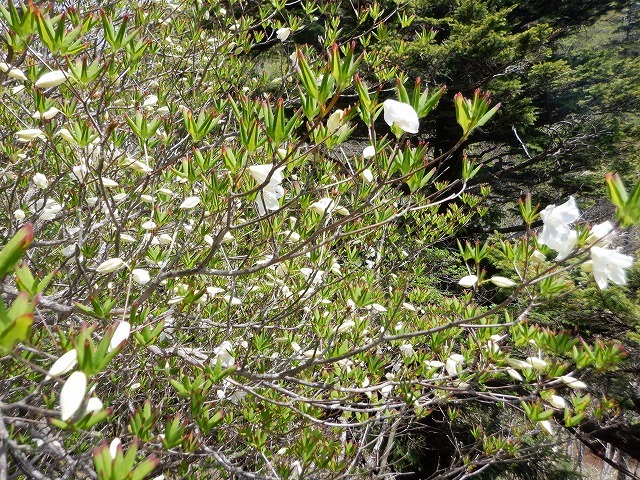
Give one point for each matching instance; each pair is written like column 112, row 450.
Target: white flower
column 536, row 363
column 608, row 265
column 94, row 404
column 346, row 326
column 51, row 209
column 149, row 225
column 149, row 102
column 232, row 300
column 409, row 307
column 600, row 234
column 40, row 181
column 566, row 248
column 108, row 183
column 407, row 350
column 113, row 447
column 556, row 233
column 79, row 172
column 63, row 365
column 222, row 354
column 140, row 276
column 46, row 115
column 468, row 281
column 517, row 363
column 367, row 176
column 546, row 424
column 268, row 197
column 369, row 152
column 51, row 79
column 569, row 381
column 260, row 173
column 29, row 134
column 190, row 202
column 401, row 114
column 323, row 206
column 334, row 121
column 503, row 282
column 557, row 401
column 452, row 363
column 66, row 134
column 433, row 364
column 120, row 197
column 110, row 265
column 19, row 214
column 514, row 374
column 537, row 257
column 72, row 395
column 120, row 334
column 378, row 308
column 12, row 72
column 283, row 33
column 311, row 274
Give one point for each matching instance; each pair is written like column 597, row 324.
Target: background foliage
column 325, row 335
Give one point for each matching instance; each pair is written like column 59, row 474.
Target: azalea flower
column 557, row 401
column 452, row 363
column 189, row 203
column 120, row 335
column 514, row 374
column 608, row 265
column 283, row 33
column 502, row 282
column 149, row 102
column 537, row 257
column 63, row 365
column 94, row 404
column 569, row 381
column 546, row 424
column 222, row 354
column 113, row 447
column 323, row 206
column 40, row 181
column 79, row 172
column 268, row 197
column 433, row 364
column 519, row 364
column 334, row 121
column 407, row 350
column 66, row 134
column 556, row 233
column 368, row 152
column 367, row 176
column 600, row 234
column 46, row 115
column 468, row 281
column 29, row 134
column 536, row 363
column 108, row 183
column 51, row 79
column 72, row 395
column 401, row 114
column 140, row 276
column 12, row 72
column 110, row 265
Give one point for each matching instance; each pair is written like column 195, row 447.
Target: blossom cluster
column 606, row 264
